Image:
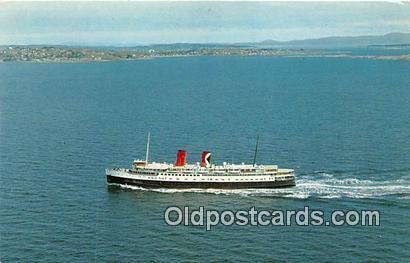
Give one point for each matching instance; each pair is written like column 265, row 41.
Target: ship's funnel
column 205, row 159
column 181, row 157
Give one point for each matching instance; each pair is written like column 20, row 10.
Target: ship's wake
column 319, row 185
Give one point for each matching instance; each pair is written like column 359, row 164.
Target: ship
column 200, row 175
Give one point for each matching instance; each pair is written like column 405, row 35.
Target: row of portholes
column 210, row 179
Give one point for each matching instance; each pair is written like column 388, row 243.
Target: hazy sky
column 132, row 23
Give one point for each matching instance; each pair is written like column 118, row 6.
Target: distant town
column 78, row 54
column 88, row 54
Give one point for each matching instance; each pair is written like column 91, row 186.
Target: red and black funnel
column 205, row 159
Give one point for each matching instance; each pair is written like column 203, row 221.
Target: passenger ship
column 202, row 175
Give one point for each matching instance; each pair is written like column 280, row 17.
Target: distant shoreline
column 49, row 54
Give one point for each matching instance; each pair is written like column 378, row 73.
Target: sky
column 141, row 23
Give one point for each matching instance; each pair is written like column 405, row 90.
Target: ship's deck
column 225, row 168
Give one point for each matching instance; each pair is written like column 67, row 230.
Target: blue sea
column 342, row 124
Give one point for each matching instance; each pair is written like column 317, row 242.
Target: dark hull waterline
column 200, row 185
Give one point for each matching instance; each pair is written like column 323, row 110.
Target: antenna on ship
column 146, row 154
column 256, row 150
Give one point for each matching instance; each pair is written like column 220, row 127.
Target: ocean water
column 342, row 124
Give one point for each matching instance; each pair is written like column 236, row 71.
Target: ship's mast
column 256, row 150
column 146, row 154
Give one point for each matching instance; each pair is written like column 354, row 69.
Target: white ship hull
column 283, row 178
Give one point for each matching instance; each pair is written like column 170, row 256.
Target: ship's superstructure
column 200, row 175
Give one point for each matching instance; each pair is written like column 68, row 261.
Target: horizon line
column 202, row 43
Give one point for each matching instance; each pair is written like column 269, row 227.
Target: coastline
column 86, row 55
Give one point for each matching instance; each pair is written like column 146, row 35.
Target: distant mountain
column 319, row 43
column 270, row 42
column 341, row 42
column 391, row 40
